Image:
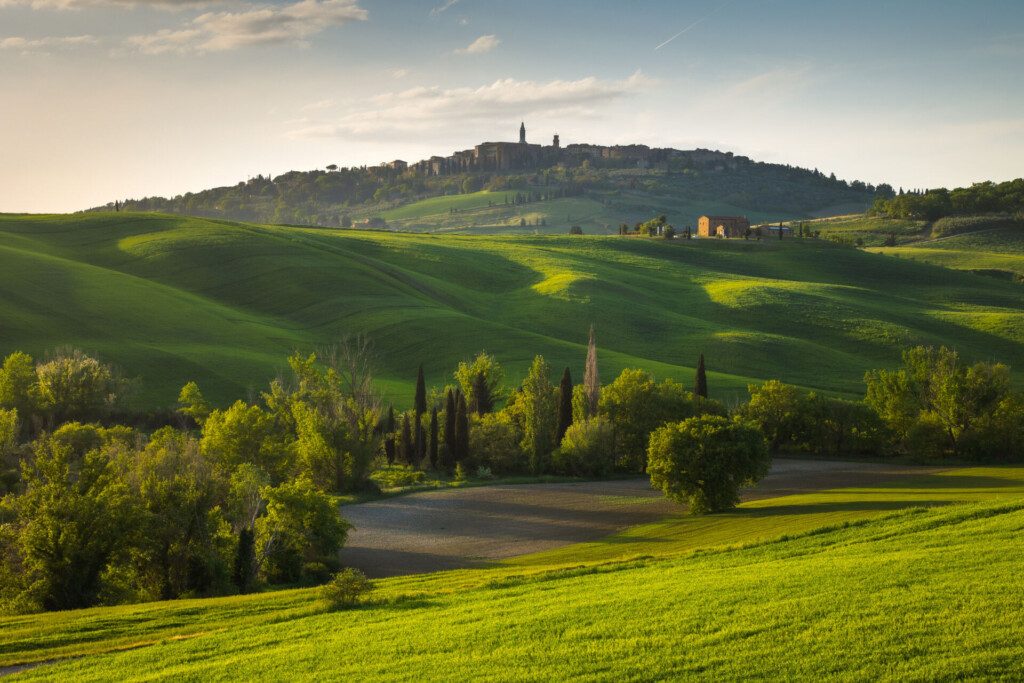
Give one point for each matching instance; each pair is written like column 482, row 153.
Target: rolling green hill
column 919, row 579
column 171, row 299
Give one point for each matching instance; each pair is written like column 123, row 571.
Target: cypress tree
column 421, row 392
column 591, row 381
column 461, row 430
column 564, row 405
column 419, row 444
column 483, row 402
column 448, row 452
column 407, row 445
column 700, row 383
column 244, row 573
column 433, row 438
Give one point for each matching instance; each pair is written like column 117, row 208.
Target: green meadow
column 915, row 580
column 171, row 299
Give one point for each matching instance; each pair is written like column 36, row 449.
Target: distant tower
column 555, row 143
column 522, row 133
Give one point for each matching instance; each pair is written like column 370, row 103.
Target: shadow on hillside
column 846, row 506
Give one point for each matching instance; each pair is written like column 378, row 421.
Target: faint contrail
column 706, row 16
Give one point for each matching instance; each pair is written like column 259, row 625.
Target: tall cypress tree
column 700, row 383
column 389, row 435
column 483, row 402
column 419, row 443
column 433, row 438
column 461, row 430
column 421, row 392
column 448, row 452
column 244, row 573
column 591, row 381
column 564, row 405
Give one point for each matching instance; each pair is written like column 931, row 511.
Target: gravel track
column 468, row 527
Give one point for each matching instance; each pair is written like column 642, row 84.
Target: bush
column 345, row 589
column 587, row 450
column 396, row 476
column 705, row 460
column 484, row 473
column 494, row 441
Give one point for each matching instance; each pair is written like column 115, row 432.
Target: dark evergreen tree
column 564, row 404
column 433, row 452
column 700, row 384
column 421, row 392
column 244, row 574
column 419, row 444
column 483, row 401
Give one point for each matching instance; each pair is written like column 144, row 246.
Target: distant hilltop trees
column 930, row 205
column 339, row 197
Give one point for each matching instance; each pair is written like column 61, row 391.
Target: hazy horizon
column 111, row 99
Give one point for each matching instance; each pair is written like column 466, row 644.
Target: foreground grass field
column 918, row 580
column 170, row 299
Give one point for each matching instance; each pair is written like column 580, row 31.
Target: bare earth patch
column 458, row 528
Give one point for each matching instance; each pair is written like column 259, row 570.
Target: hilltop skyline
column 124, row 99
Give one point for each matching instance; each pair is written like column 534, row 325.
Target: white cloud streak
column 443, row 7
column 45, row 43
column 86, row 4
column 481, row 45
column 268, row 25
column 435, row 108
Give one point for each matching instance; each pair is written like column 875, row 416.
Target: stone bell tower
column 522, row 133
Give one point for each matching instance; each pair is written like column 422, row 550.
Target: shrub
column 495, row 442
column 587, row 450
column 484, row 473
column 345, row 589
column 396, row 476
column 460, row 472
column 705, row 460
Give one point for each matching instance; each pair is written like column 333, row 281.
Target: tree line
column 933, row 204
column 235, row 498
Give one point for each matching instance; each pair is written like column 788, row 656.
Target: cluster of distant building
column 524, row 156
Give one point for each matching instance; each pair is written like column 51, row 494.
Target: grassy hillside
column 987, row 245
column 171, row 299
column 917, row 580
column 597, row 213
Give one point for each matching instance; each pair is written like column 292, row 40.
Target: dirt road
column 456, row 528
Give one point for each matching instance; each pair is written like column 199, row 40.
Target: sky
column 114, row 99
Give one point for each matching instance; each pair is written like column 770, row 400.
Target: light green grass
column 917, row 580
column 990, row 252
column 172, row 299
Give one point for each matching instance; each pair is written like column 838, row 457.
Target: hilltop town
column 525, row 156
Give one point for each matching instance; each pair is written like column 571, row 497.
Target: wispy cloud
column 220, row 31
column 435, row 108
column 694, row 24
column 399, row 74
column 481, row 45
column 46, row 42
column 443, row 7
column 778, row 82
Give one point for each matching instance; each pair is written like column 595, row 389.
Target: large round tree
column 705, row 460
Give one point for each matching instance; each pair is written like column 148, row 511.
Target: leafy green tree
column 178, row 493
column 494, row 440
column 243, row 573
column 466, row 376
column 704, row 461
column 934, row 391
column 300, row 534
column 536, row 406
column 73, row 385
column 700, row 382
column 70, row 522
column 17, row 384
column 9, row 430
column 636, row 405
column 245, row 434
column 192, row 403
column 780, row 410
column 587, row 450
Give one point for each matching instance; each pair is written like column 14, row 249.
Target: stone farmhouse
column 722, row 226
